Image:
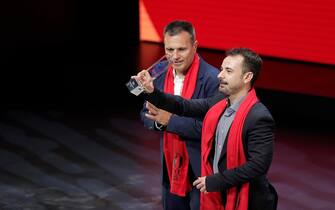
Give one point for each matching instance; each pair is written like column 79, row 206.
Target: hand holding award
column 136, row 83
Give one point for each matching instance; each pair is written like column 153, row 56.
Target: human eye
column 182, row 49
column 229, row 70
column 169, row 49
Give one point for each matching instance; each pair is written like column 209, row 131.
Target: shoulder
column 260, row 109
column 208, row 70
column 259, row 112
column 208, row 75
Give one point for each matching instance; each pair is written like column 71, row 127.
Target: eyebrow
column 221, row 68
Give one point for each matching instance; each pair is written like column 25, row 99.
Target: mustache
column 223, row 81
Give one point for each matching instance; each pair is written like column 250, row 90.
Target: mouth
column 223, row 83
column 177, row 63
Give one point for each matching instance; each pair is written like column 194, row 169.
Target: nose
column 175, row 54
column 221, row 74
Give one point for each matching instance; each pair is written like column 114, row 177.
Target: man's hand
column 159, row 115
column 200, row 184
column 146, row 81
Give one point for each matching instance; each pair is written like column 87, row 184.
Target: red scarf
column 237, row 199
column 175, row 152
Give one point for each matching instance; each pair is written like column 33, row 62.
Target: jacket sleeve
column 180, row 106
column 259, row 140
column 185, row 127
column 190, row 128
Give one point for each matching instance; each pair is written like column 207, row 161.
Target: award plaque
column 134, row 87
column 156, row 69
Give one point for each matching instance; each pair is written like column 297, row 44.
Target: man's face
column 180, row 50
column 231, row 77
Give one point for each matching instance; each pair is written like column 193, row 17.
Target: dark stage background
column 70, row 134
column 67, row 53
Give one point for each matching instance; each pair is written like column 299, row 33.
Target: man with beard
column 237, row 135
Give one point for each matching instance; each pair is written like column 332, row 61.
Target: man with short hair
column 185, row 74
column 237, row 136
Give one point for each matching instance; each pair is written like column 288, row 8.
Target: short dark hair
column 176, row 27
column 251, row 61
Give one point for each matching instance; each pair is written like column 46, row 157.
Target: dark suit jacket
column 258, row 139
column 189, row 129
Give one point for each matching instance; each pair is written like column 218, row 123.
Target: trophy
column 156, row 69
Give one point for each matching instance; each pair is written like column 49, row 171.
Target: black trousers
column 174, row 202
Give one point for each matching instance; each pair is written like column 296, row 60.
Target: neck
column 235, row 97
column 180, row 73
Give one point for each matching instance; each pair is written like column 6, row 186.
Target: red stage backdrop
column 299, row 30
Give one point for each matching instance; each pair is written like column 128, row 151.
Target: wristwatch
column 159, row 126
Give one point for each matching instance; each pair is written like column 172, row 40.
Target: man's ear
column 195, row 44
column 248, row 76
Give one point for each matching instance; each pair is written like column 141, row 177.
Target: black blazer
column 258, row 140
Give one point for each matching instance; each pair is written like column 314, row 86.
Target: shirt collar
column 234, row 107
column 178, row 76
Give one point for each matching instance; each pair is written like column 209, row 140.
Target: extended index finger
column 151, row 106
